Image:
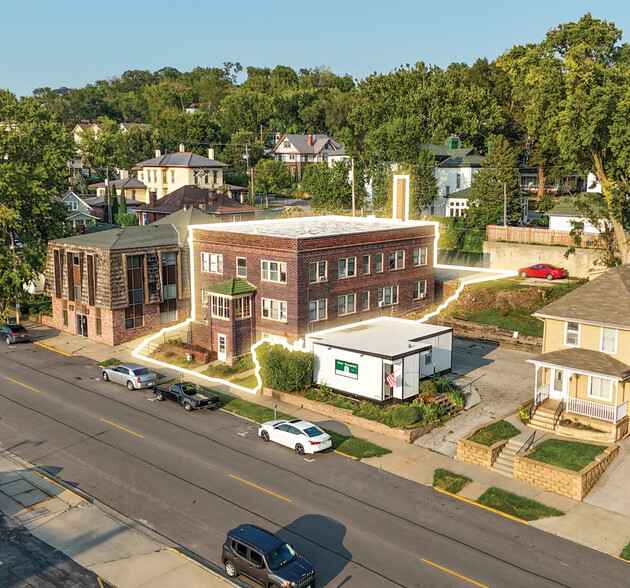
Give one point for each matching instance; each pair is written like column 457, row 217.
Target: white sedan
column 302, row 436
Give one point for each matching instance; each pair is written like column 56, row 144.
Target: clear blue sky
column 72, row 43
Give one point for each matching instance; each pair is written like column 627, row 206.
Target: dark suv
column 263, row 557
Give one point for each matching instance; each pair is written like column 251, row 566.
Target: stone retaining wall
column 200, row 355
column 464, row 328
column 480, row 455
column 345, row 416
column 575, row 485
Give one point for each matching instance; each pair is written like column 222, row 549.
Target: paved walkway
column 589, row 524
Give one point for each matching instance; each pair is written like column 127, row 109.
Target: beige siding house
column 583, row 373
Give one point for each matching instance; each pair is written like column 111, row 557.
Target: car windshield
column 141, row 371
column 280, row 557
column 313, row 431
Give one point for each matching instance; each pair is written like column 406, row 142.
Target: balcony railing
column 612, row 414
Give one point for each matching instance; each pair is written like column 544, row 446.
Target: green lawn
column 349, row 445
column 625, row 554
column 449, row 481
column 499, row 431
column 248, row 381
column 571, row 455
column 109, row 362
column 517, row 506
column 513, row 320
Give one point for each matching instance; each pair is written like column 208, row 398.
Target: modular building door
column 411, row 375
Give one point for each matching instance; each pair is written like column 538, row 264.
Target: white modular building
column 381, row 359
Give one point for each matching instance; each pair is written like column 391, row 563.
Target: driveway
column 611, row 491
column 495, row 382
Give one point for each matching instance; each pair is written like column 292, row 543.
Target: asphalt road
column 192, row 476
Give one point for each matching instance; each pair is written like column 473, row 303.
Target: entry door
column 221, row 347
column 81, row 325
column 558, row 385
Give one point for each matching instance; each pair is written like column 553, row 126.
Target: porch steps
column 446, row 404
column 543, row 419
column 504, row 464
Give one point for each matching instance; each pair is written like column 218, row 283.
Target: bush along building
column 285, row 278
column 113, row 286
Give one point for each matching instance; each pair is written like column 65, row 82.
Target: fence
column 538, row 236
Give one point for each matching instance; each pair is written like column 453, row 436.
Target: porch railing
column 541, row 394
column 612, row 414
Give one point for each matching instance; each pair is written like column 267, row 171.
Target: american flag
column 391, row 380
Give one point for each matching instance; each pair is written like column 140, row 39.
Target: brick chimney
column 310, row 140
column 152, row 198
column 211, row 197
column 210, row 153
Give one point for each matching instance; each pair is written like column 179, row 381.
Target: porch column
column 536, row 380
column 616, row 395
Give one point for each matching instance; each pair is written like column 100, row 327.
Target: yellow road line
column 494, row 510
column 454, row 573
column 61, row 486
column 123, row 428
column 260, row 488
column 20, row 383
column 52, row 348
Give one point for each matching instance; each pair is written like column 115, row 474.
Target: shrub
column 404, row 415
column 244, row 363
column 525, row 413
column 370, row 411
column 176, row 342
column 428, row 389
column 285, row 370
column 430, row 413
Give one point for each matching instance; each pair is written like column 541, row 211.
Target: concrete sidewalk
column 588, row 524
column 108, row 550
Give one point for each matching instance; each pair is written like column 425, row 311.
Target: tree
column 33, row 171
column 271, row 177
column 497, row 178
column 126, row 219
column 330, row 188
column 79, row 185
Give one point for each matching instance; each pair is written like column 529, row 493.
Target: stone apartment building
column 113, row 286
column 286, row 278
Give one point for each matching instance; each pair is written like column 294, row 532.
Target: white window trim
column 382, row 256
column 319, row 278
column 346, row 297
column 601, row 341
column 280, row 303
column 319, row 318
column 281, row 264
column 392, row 289
column 579, row 333
column 238, row 274
column 420, row 297
column 225, row 305
column 354, row 275
column 590, row 384
column 369, row 264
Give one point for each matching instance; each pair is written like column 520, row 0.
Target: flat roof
column 314, row 226
column 384, row 337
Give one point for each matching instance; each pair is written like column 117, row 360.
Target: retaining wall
column 575, row 485
column 480, row 455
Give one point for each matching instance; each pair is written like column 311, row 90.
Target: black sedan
column 190, row 396
column 14, row 334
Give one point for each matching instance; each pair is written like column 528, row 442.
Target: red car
column 542, row 270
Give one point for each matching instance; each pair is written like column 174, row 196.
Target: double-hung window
column 609, row 340
column 241, row 267
column 396, row 259
column 276, row 310
column 419, row 289
column 365, row 300
column 347, row 267
column 317, row 310
column 366, row 264
column 600, row 388
column 346, row 304
column 420, row 256
column 379, row 262
column 317, row 271
column 572, row 334
column 212, row 262
column 388, row 295
column 220, row 306
column 273, row 271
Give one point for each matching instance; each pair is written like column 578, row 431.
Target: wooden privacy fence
column 538, row 236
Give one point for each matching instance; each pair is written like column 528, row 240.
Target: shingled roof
column 126, row 238
column 191, row 195
column 584, row 361
column 231, row 287
column 300, row 142
column 604, row 301
column 179, row 159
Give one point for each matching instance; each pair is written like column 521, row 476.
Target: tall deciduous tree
column 33, row 171
column 271, row 177
column 330, row 188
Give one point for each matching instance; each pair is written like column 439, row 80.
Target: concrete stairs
column 543, row 420
column 504, row 464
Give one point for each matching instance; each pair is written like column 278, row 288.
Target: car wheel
column 160, row 396
column 105, row 377
column 549, row 277
column 129, row 385
column 7, row 341
column 523, row 274
column 299, row 449
column 264, row 436
column 188, row 406
column 230, row 569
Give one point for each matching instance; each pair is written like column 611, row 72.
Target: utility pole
column 109, row 197
column 353, row 194
column 504, row 204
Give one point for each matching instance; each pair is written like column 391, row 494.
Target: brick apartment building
column 286, row 278
column 116, row 285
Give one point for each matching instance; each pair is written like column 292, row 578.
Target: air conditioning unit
column 321, row 279
column 423, row 295
column 381, row 303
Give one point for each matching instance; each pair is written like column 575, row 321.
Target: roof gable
column 605, row 300
column 180, row 159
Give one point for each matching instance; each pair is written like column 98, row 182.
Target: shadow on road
column 319, row 539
